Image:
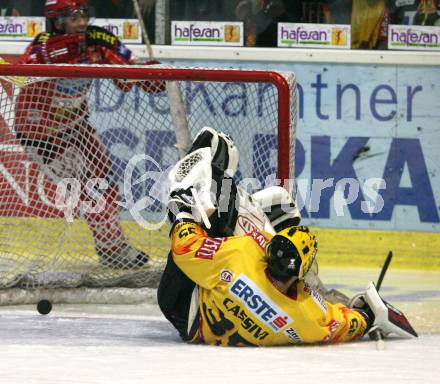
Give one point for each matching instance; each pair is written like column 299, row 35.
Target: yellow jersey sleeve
column 344, row 324
column 201, row 257
column 339, row 322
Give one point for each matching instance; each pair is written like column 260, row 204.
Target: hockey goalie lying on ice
column 229, row 284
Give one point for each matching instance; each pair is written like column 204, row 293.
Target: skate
column 126, row 257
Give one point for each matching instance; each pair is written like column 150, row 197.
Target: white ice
column 134, row 344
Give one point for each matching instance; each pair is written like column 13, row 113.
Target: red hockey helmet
column 54, row 9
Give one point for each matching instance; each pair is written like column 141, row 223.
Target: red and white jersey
column 102, row 47
column 47, row 109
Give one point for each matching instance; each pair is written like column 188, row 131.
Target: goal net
column 84, row 154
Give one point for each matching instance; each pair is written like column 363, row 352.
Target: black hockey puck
column 44, row 307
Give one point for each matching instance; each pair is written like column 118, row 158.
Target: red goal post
column 48, row 115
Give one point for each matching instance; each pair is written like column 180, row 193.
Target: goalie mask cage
column 121, row 127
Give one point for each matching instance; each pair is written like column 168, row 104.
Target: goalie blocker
column 387, row 318
column 384, row 317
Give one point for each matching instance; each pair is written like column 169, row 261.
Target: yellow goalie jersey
column 239, row 305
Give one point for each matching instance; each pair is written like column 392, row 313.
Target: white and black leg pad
column 279, row 207
column 193, row 173
column 211, row 164
column 193, row 314
column 224, row 153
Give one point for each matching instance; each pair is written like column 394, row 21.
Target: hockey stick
column 10, row 94
column 384, row 269
column 376, row 335
column 137, row 10
column 177, row 106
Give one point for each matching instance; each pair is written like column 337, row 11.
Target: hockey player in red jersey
column 72, row 40
column 51, row 119
column 253, row 289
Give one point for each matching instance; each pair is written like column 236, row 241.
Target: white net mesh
column 83, row 163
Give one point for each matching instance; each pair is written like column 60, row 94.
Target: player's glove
column 67, row 48
column 152, row 86
column 148, row 86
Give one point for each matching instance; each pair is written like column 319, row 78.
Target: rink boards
column 45, row 237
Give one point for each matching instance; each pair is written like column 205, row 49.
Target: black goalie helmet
column 291, row 252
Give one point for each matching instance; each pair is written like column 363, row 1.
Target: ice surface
column 134, row 344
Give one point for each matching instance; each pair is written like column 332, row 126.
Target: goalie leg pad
column 175, row 299
column 224, row 153
column 279, row 207
column 193, row 173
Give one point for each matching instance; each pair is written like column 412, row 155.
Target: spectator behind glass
column 415, row 12
column 245, row 12
column 317, row 12
column 369, row 19
column 202, row 10
column 369, row 24
column 22, row 8
column 113, row 9
column 262, row 26
column 7, row 8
